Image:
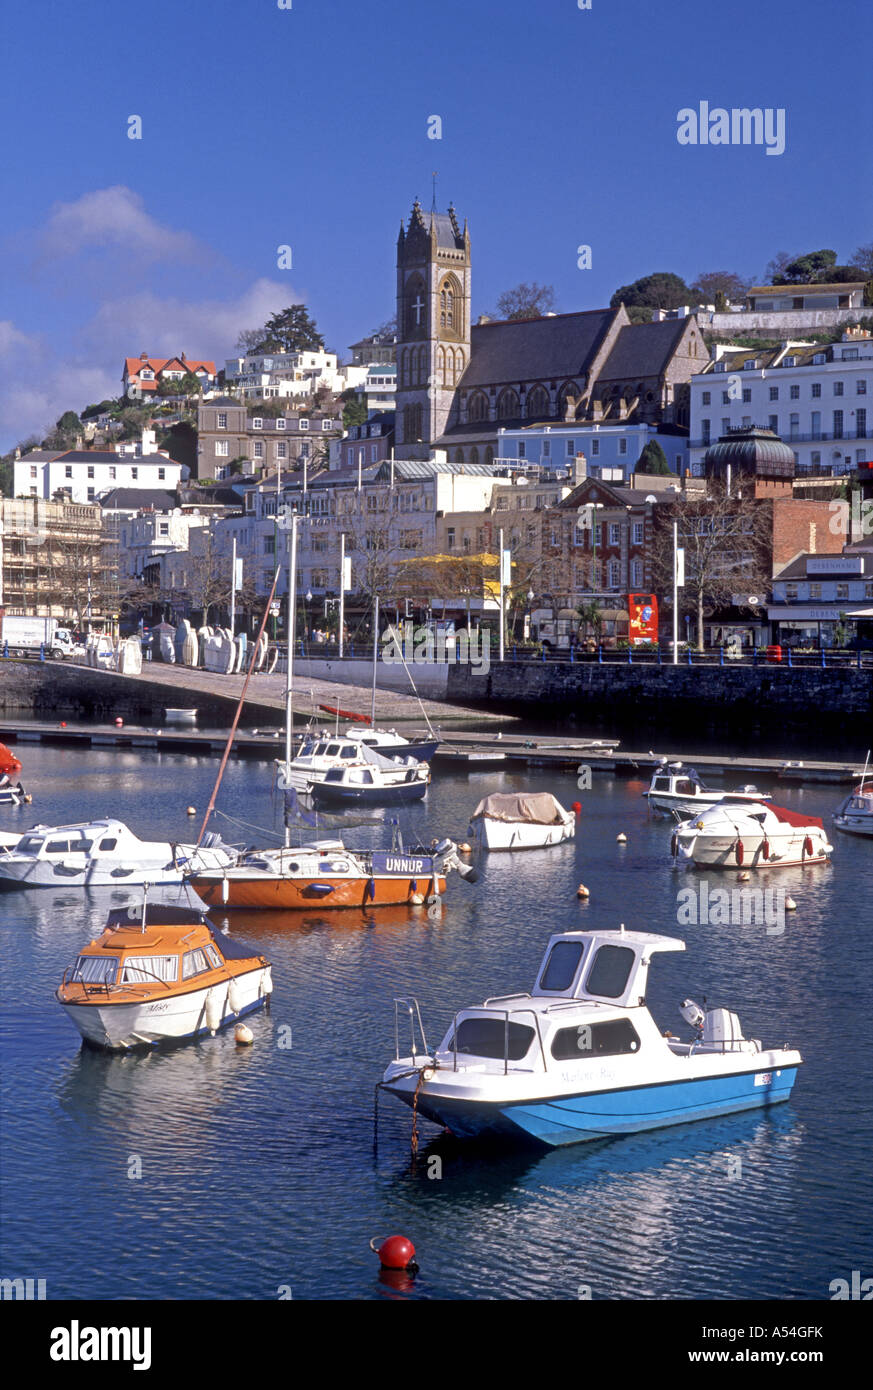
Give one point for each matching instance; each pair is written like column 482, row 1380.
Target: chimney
column 811, row 546
column 580, row 469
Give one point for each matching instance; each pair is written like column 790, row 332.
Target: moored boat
column 12, row 792
column 580, row 1057
column 520, row 820
column 677, row 790
column 161, row 974
column 328, row 875
column 103, row 853
column 855, row 815
column 756, row 836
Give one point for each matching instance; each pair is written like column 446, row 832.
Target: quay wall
column 63, row 689
column 678, row 699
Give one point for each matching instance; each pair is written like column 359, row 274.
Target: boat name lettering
column 156, row 1008
column 401, row 864
column 763, row 1078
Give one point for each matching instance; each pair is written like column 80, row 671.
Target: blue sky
column 308, row 127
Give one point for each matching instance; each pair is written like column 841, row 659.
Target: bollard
column 858, row 660
column 543, row 653
column 630, row 656
column 514, row 654
column 5, row 648
column 571, row 653
column 790, row 662
column 42, row 651
column 721, row 656
column 689, row 656
column 754, row 656
column 823, row 658
column 600, row 653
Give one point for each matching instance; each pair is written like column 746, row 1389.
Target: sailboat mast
column 375, row 660
column 289, row 676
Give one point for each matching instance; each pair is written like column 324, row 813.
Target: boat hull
column 119, row 1027
column 510, row 835
column 237, row 889
column 25, row 872
column 720, row 851
column 855, row 825
column 335, row 794
column 573, row 1119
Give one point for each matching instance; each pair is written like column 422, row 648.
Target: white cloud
column 207, row 328
column 32, row 407
column 113, row 217
column 13, row 340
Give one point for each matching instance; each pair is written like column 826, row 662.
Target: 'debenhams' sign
column 402, row 864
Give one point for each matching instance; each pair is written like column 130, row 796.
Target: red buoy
column 63, row 723
column 808, row 849
column 119, row 723
column 577, row 807
column 765, row 849
column 395, row 1252
column 740, row 853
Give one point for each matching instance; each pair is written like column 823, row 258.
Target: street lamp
column 307, row 599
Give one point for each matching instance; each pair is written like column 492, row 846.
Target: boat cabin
column 171, row 947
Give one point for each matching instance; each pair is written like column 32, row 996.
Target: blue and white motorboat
column 580, row 1057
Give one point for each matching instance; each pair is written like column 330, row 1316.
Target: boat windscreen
column 230, row 949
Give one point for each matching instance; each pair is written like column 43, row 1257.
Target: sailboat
column 324, row 871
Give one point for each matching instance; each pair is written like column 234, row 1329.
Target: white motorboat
column 580, row 1057
column 677, row 790
column 752, row 837
column 386, row 741
column 104, row 853
column 855, row 815
column 318, row 757
column 161, row 974
column 524, row 820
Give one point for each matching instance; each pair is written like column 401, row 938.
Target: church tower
column 433, row 325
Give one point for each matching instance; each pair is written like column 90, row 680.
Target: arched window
column 489, row 454
column 537, row 403
column 450, row 305
column 477, row 406
column 474, row 455
column 404, row 367
column 459, row 456
column 415, row 313
column 568, row 390
column 508, row 405
column 421, row 367
column 441, row 366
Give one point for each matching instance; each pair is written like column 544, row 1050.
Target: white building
column 811, row 597
column 816, row 397
column 83, row 474
column 612, row 451
column 278, row 375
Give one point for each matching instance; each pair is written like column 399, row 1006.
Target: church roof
column 642, row 349
column 560, row 346
column 447, row 233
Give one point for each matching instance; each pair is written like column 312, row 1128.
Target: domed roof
column 751, row 451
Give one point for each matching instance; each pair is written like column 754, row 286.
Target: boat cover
column 795, row 818
column 536, row 808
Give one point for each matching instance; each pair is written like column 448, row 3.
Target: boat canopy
column 795, row 818
column 535, row 808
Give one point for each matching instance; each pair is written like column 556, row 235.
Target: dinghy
column 520, row 820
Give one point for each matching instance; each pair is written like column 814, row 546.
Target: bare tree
column 727, row 544
column 526, row 301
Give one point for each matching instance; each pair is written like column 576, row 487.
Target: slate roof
column 559, row 347
column 642, row 349
column 122, row 499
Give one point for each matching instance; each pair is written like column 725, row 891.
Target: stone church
column 458, row 383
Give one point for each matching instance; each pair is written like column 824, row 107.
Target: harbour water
column 257, row 1167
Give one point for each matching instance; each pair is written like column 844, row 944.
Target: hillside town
column 573, row 441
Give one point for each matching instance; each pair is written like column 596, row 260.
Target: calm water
column 258, row 1165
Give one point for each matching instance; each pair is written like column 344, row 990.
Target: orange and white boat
column 11, row 793
column 161, row 974
column 328, row 875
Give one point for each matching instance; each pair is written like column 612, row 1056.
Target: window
column 850, row 354
column 815, row 590
column 327, row 425
column 838, row 424
column 547, row 448
column 614, row 533
column 111, row 471
column 815, row 424
column 33, row 470
column 622, row 446
column 96, row 970
column 774, row 423
column 793, row 426
column 787, row 362
column 774, row 393
column 138, row 970
column 815, row 390
column 636, row 573
column 258, row 449
column 450, row 537
column 257, row 423
column 725, row 398
column 281, row 423
column 521, row 449
column 134, row 473
column 747, row 394
column 638, row 532
column 90, row 470
column 750, row 365
column 221, row 420
column 487, row 1037
column 571, row 448
column 610, row 971
column 707, row 397
column 815, row 459
column 842, row 591
column 838, row 388
column 90, row 494
column 281, row 450
column 791, row 593
column 303, row 423
column 162, row 473
column 861, row 386
column 221, row 448
column 860, row 424
column 560, row 968
column 194, row 963
column 725, row 424
column 609, row 1039
column 614, row 574
column 68, row 470
column 270, row 546
column 705, row 427
column 818, row 358
column 595, row 447
column 794, row 392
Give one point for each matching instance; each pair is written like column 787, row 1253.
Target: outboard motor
column 692, row 1013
